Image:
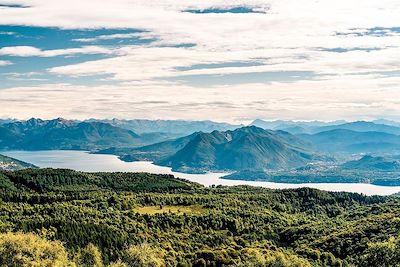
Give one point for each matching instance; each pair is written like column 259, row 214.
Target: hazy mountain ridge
column 347, row 141
column 361, row 126
column 36, row 134
column 313, row 127
column 175, row 128
column 294, row 127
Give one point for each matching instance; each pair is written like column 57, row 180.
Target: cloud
column 136, row 63
column 29, row 51
column 26, row 76
column 5, row 63
column 140, row 35
column 8, row 33
column 282, row 36
column 370, row 97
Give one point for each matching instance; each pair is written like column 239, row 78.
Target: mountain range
column 347, row 141
column 37, row 134
column 174, row 128
column 313, row 127
column 208, row 146
column 244, row 148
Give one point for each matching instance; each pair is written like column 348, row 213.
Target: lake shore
column 84, row 161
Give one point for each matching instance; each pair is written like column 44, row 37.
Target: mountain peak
column 248, row 147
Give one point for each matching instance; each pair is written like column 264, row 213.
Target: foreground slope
column 144, row 219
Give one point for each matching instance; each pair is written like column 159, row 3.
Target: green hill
column 7, row 163
column 69, row 218
column 244, row 148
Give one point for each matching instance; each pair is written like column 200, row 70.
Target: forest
column 58, row 217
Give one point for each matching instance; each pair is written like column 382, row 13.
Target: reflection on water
column 82, row 161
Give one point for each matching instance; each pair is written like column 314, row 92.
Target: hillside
column 243, row 148
column 36, row 134
column 62, row 216
column 7, row 163
column 64, row 180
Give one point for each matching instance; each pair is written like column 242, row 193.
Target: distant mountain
column 294, row 127
column 370, row 163
column 312, row 127
column 361, row 126
column 37, row 134
column 347, row 141
column 176, row 128
column 244, row 148
column 11, row 164
column 387, row 122
column 4, row 121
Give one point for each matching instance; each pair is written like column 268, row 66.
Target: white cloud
column 140, row 35
column 285, row 38
column 370, row 97
column 8, row 33
column 289, row 36
column 30, row 51
column 5, row 63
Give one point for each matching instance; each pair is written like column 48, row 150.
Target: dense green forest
column 56, row 217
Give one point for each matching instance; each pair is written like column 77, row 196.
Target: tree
column 91, row 257
column 18, row 249
column 382, row 254
column 144, row 256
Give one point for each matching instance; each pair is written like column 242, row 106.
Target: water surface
column 83, row 161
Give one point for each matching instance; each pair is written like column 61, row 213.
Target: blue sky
column 222, row 60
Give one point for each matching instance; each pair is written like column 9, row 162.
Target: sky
column 231, row 61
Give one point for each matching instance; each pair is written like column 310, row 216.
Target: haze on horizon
column 231, row 61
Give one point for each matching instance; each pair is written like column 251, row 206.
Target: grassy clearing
column 151, row 210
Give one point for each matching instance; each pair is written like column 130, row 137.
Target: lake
column 83, row 161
